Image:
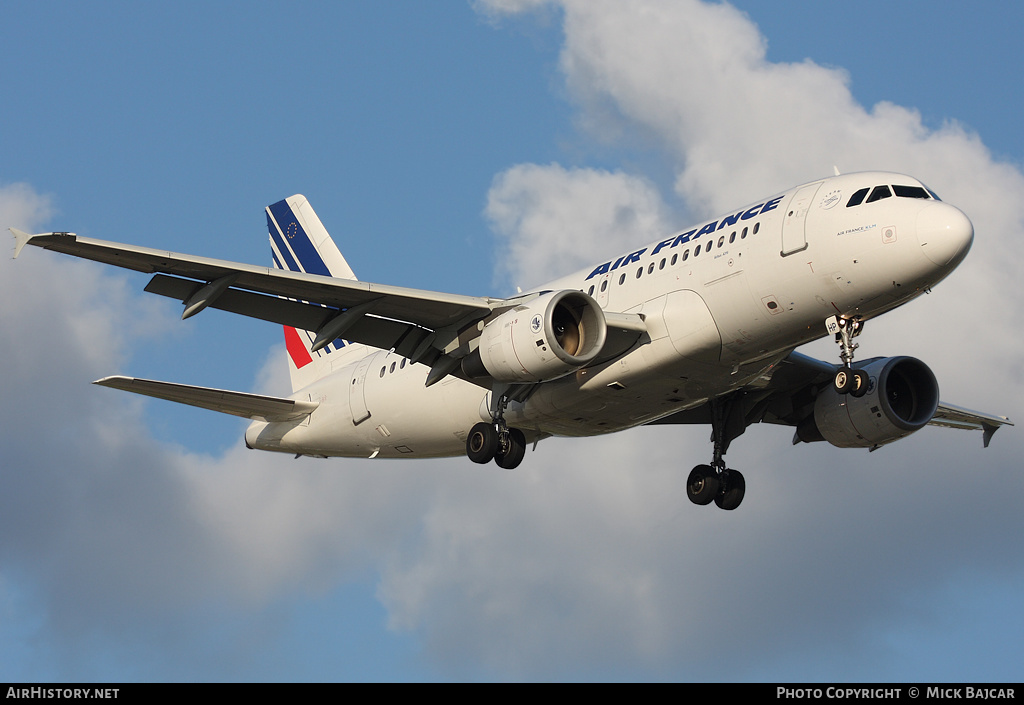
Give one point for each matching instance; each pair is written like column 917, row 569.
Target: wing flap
column 251, row 406
column 382, row 333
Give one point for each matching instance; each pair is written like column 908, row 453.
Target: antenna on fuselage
column 836, row 170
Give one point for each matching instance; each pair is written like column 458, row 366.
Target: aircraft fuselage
column 723, row 302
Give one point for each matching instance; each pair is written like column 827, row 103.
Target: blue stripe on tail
column 297, row 239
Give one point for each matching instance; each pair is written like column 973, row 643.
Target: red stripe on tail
column 298, row 352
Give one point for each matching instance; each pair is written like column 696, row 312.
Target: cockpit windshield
column 885, row 191
column 910, row 192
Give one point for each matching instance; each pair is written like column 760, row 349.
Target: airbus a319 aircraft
column 698, row 327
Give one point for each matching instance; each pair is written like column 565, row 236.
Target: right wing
column 427, row 327
column 402, row 318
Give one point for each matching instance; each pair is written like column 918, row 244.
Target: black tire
column 844, row 380
column 482, row 443
column 702, row 485
column 860, row 383
column 514, row 454
column 734, row 487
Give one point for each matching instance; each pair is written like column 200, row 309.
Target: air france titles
column 675, row 241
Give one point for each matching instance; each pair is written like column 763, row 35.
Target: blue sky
column 138, row 541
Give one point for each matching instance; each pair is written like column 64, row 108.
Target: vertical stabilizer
column 300, row 243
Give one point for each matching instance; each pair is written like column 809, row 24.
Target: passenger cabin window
column 879, row 193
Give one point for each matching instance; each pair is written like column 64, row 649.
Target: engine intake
column 549, row 337
column 902, row 397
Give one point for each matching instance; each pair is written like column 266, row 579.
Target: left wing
column 788, row 393
column 952, row 416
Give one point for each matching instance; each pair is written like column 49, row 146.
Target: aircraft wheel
column 702, row 485
column 733, row 490
column 844, row 380
column 482, row 443
column 515, row 452
column 860, row 383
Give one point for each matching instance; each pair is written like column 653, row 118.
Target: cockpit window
column 910, row 192
column 857, row 198
column 883, row 191
column 879, row 193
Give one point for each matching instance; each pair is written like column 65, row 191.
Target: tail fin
column 300, row 243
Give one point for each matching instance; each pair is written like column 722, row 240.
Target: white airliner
column 698, row 327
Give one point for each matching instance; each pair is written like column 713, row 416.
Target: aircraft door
column 601, row 287
column 357, row 391
column 794, row 236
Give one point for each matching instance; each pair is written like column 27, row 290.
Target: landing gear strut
column 495, row 440
column 847, row 380
column 716, row 482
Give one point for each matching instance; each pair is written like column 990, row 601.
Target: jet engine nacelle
column 546, row 338
column 902, row 397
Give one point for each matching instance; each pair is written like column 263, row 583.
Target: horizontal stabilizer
column 250, row 406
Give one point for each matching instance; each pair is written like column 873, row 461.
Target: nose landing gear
column 847, row 380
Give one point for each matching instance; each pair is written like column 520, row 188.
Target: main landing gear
column 716, row 482
column 848, row 380
column 495, row 440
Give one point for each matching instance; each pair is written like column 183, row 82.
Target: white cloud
column 23, row 208
column 555, row 220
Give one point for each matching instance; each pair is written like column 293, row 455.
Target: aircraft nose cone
column 944, row 233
